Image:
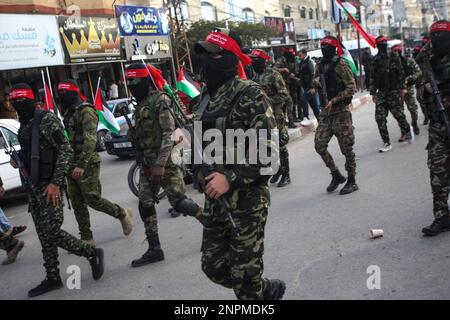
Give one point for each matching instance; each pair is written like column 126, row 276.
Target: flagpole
column 49, row 82
column 45, row 89
column 96, row 90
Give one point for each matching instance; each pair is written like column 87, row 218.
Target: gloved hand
column 156, row 175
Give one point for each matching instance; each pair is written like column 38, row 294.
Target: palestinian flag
column 186, row 85
column 104, row 115
column 349, row 59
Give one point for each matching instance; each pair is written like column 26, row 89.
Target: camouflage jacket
column 81, row 126
column 413, row 72
column 292, row 66
column 346, row 85
column 387, row 74
column 274, row 86
column 154, row 128
column 51, row 136
column 248, row 181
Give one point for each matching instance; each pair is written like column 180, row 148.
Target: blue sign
column 142, row 21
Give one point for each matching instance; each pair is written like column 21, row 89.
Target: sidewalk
column 360, row 100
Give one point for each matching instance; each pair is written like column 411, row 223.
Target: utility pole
column 178, row 28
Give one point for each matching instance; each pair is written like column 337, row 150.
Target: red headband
column 417, row 48
column 440, row 27
column 136, row 73
column 329, row 41
column 261, row 54
column 397, row 48
column 229, row 44
column 382, row 39
column 425, row 40
column 66, row 86
column 21, row 93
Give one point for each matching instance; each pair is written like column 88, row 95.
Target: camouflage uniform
column 338, row 119
column 6, row 242
column 274, row 86
column 154, row 128
column 291, row 106
column 81, row 125
column 236, row 261
column 424, row 100
column 47, row 218
column 386, row 80
column 413, row 75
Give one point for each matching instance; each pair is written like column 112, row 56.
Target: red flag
column 48, row 103
column 369, row 38
column 156, row 74
column 98, row 103
column 241, row 71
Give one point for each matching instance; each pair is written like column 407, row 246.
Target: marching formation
column 57, row 154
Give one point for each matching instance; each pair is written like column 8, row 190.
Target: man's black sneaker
column 150, row 256
column 337, row 179
column 275, row 290
column 276, row 177
column 439, row 225
column 349, row 188
column 97, row 264
column 46, row 286
column 285, row 180
column 18, row 230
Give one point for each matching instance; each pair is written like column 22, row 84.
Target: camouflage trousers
column 173, row 185
column 337, row 124
column 85, row 193
column 439, row 165
column 389, row 102
column 236, row 261
column 284, row 140
column 48, row 221
column 411, row 104
column 420, row 98
column 291, row 105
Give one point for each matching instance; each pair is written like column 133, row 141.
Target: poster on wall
column 29, row 41
column 157, row 47
column 285, row 29
column 142, row 21
column 88, row 39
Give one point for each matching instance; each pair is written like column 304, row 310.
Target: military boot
column 276, row 177
column 97, row 265
column 275, row 290
column 285, row 180
column 416, row 128
column 153, row 254
column 403, row 137
column 291, row 124
column 439, row 225
column 337, row 179
column 350, row 186
column 46, row 286
column 127, row 222
column 13, row 253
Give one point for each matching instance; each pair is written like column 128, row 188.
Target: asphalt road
column 317, row 242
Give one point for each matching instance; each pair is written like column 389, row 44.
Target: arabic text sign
column 29, row 42
column 90, row 39
column 284, row 27
column 142, row 21
column 147, row 48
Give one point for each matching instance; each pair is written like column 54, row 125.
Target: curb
column 302, row 131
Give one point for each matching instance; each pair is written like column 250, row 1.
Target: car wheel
column 101, row 141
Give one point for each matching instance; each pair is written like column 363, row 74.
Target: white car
column 8, row 136
column 116, row 107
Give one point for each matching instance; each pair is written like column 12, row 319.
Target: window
column 287, row 11
column 184, row 10
column 208, row 11
column 325, row 14
column 317, row 14
column 248, row 15
column 311, row 14
column 303, row 13
column 9, row 138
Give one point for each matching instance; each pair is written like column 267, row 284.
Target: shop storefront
column 146, row 37
column 29, row 44
column 93, row 49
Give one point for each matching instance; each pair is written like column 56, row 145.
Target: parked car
column 118, row 144
column 116, row 107
column 8, row 136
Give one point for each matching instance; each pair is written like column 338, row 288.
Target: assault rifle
column 323, row 85
column 26, row 178
column 439, row 105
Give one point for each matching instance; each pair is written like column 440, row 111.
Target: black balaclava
column 290, row 57
column 440, row 43
column 328, row 52
column 140, row 87
column 25, row 107
column 382, row 46
column 218, row 70
column 69, row 99
column 259, row 65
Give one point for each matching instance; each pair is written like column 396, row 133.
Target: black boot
column 174, row 213
column 275, row 290
column 46, row 286
column 153, row 254
column 415, row 128
column 276, row 177
column 291, row 124
column 285, row 180
column 439, row 225
column 349, row 187
column 337, row 179
column 97, row 264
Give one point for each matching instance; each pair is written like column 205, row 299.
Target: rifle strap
column 202, row 106
column 35, row 151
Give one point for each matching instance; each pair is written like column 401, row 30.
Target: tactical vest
column 148, row 128
column 334, row 84
column 75, row 130
column 386, row 73
column 39, row 162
